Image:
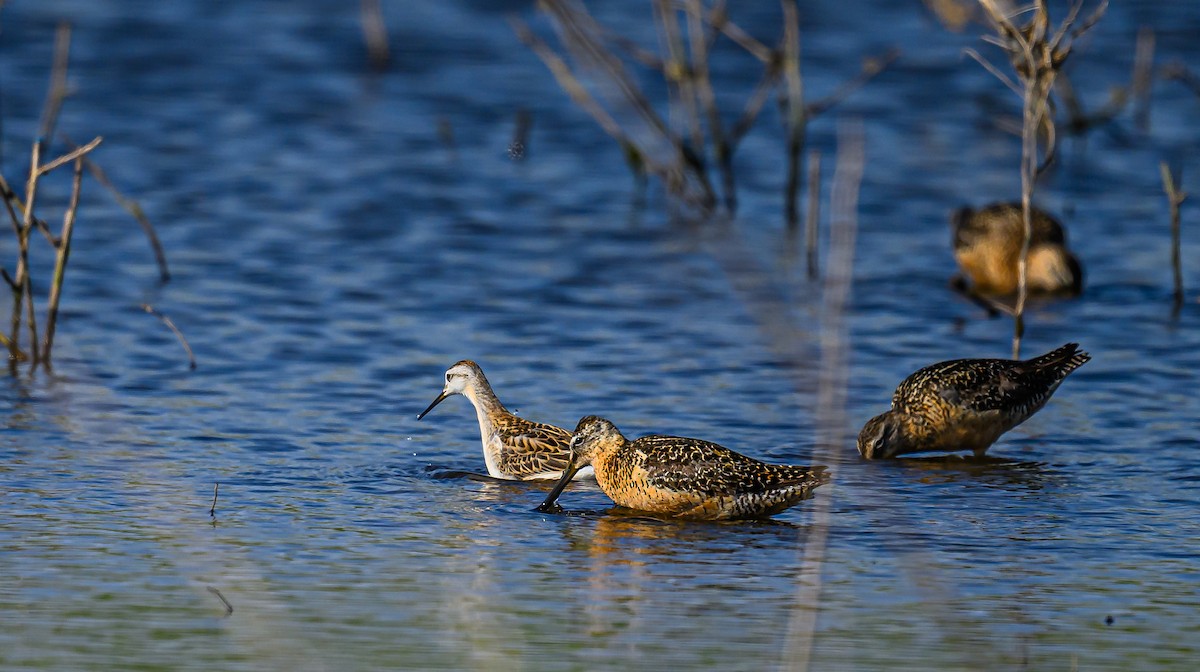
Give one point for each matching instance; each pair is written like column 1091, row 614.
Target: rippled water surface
column 338, row 238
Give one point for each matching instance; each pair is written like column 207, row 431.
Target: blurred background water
column 339, row 237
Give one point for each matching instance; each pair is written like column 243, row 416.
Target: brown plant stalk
column 60, row 262
column 1036, row 55
column 1175, row 198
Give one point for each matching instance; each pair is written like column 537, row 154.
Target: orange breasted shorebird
column 683, row 478
column 514, row 448
column 987, row 247
column 966, row 404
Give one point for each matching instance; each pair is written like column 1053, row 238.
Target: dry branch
column 58, row 84
column 60, row 262
column 175, row 330
column 135, row 209
column 1175, row 197
column 694, row 131
column 24, row 221
column 1180, row 73
column 228, row 606
column 69, row 156
column 1036, row 56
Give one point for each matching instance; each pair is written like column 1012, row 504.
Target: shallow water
column 332, row 255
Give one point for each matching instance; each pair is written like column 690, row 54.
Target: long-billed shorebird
column 683, row 478
column 987, row 247
column 514, row 448
column 966, row 404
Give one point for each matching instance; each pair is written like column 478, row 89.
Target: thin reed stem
column 135, row 209
column 58, row 84
column 722, row 152
column 70, row 156
column 1175, row 198
column 678, row 74
column 60, row 262
column 175, row 330
column 13, row 203
column 1036, row 57
column 22, row 288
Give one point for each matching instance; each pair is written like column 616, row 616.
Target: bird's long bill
column 440, row 399
column 549, row 505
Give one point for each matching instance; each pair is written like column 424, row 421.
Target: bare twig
column 996, row 72
column 69, row 156
column 1036, row 56
column 228, row 606
column 1175, row 198
column 695, row 121
column 13, row 203
column 178, row 334
column 720, row 21
column 756, row 102
column 722, row 151
column 870, row 69
column 675, row 175
column 34, row 351
column 58, row 84
column 133, row 208
column 22, row 288
column 678, row 74
column 562, row 73
column 634, row 50
column 1180, row 73
column 569, row 83
column 212, row 512
column 60, row 262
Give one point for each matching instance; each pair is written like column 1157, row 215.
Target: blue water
column 338, row 238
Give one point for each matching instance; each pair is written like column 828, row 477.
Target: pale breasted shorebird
column 987, row 247
column 683, row 478
column 514, row 448
column 966, row 404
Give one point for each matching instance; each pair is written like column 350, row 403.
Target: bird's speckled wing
column 690, row 465
column 981, row 385
column 1005, row 221
column 532, row 448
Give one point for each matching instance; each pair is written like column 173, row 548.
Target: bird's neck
column 487, row 406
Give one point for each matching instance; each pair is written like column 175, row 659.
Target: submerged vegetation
column 595, row 67
column 1037, row 51
column 38, row 351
